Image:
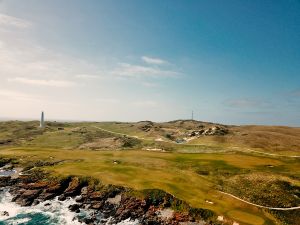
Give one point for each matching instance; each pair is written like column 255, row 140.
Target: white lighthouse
column 42, row 122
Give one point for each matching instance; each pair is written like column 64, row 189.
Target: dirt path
column 236, row 149
column 273, row 154
column 137, row 137
column 261, row 206
column 117, row 133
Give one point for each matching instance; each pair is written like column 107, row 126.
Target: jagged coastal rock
column 106, row 204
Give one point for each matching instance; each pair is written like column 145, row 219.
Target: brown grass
column 269, row 138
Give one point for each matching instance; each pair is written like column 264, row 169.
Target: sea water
column 5, row 173
column 51, row 212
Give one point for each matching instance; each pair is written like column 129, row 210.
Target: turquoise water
column 30, row 219
column 5, row 173
column 51, row 212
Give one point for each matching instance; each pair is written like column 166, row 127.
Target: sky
column 231, row 62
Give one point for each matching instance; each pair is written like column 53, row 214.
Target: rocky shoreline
column 105, row 204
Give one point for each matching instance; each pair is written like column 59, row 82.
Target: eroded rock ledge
column 119, row 203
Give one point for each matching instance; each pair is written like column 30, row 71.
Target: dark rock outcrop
column 73, row 188
column 26, row 197
column 74, row 207
column 108, row 201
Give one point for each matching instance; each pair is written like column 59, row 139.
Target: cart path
column 261, row 206
column 127, row 135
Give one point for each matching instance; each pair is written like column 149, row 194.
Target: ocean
column 51, row 212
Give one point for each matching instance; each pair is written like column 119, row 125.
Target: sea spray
column 50, row 212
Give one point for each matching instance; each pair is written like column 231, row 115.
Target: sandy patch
column 165, row 213
column 103, row 143
column 115, row 201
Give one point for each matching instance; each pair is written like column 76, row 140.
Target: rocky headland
column 104, row 204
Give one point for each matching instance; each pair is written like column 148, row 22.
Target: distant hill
column 98, row 135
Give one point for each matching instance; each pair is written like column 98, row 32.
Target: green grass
column 56, row 139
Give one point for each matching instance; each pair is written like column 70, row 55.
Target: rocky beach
column 37, row 197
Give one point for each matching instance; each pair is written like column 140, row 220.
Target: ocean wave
column 50, row 212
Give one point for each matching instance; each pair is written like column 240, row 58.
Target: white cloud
column 21, row 58
column 17, row 95
column 136, row 71
column 246, row 103
column 150, row 84
column 10, row 21
column 155, row 61
column 146, row 103
column 87, row 76
column 108, row 100
column 50, row 83
column 24, row 61
column 26, row 64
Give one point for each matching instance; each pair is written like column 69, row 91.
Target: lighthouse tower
column 42, row 122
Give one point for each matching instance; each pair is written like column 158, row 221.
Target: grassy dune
column 273, row 139
column 282, row 140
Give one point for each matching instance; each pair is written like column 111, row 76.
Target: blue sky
column 233, row 62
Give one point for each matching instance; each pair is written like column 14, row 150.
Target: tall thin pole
column 192, row 115
column 42, row 122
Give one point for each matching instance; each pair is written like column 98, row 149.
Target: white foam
column 8, row 206
column 6, row 173
column 20, row 221
column 129, row 222
column 55, row 209
column 59, row 209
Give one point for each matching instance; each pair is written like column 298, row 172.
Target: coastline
column 87, row 201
